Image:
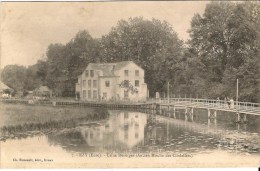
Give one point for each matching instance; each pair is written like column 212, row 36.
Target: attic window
column 92, row 73
column 137, row 73
column 107, row 83
column 86, row 73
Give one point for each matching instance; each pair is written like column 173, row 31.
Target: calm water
column 135, row 132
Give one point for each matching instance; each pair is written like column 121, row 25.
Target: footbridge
column 241, row 109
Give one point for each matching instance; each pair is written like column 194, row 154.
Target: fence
column 209, row 102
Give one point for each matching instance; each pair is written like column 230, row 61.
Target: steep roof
column 107, row 68
column 122, row 64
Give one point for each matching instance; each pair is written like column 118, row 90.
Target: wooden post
column 169, row 110
column 245, row 119
column 238, row 117
column 237, row 95
column 168, row 95
column 192, row 114
column 174, row 112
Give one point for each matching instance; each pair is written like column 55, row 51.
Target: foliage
column 225, row 42
column 66, row 62
column 224, row 46
column 128, row 86
column 152, row 44
column 14, row 76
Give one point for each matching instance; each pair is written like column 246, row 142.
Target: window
column 137, row 73
column 84, row 83
column 84, row 94
column 136, row 135
column 86, row 73
column 104, row 96
column 126, row 94
column 137, row 83
column 126, row 72
column 94, row 83
column 126, row 127
column 89, row 83
column 107, row 83
column 89, row 94
column 92, row 73
column 95, row 94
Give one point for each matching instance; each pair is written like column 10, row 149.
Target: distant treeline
column 224, row 45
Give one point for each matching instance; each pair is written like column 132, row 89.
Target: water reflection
column 138, row 132
column 124, row 131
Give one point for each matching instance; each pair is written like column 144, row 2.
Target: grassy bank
column 18, row 118
column 14, row 114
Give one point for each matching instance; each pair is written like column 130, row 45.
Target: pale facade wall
column 107, row 87
column 132, row 77
column 88, row 91
column 89, row 82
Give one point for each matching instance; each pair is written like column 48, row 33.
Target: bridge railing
column 211, row 103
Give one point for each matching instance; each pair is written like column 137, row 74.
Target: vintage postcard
column 141, row 84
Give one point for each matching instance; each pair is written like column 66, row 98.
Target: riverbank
column 19, row 119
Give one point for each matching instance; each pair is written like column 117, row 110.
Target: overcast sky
column 28, row 28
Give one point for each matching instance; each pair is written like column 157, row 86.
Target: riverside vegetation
column 223, row 46
column 19, row 121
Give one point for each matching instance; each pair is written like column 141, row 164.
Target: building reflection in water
column 122, row 131
column 126, row 131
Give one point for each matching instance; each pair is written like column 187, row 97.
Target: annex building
column 112, row 81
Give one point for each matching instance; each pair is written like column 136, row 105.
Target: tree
column 31, row 80
column 14, row 76
column 152, row 44
column 66, row 62
column 225, row 41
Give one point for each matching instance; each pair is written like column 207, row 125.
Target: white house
column 112, row 81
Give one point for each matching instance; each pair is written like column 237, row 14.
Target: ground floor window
column 84, row 94
column 94, row 83
column 126, row 94
column 95, row 94
column 136, row 135
column 137, row 83
column 104, row 96
column 89, row 94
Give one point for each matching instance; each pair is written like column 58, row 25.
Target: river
column 126, row 133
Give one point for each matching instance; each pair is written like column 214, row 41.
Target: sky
column 27, row 28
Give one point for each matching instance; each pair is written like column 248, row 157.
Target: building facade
column 112, row 81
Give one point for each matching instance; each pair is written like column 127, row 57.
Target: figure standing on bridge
column 225, row 102
column 218, row 101
column 232, row 105
column 228, row 102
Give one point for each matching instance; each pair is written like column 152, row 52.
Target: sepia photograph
column 130, row 84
